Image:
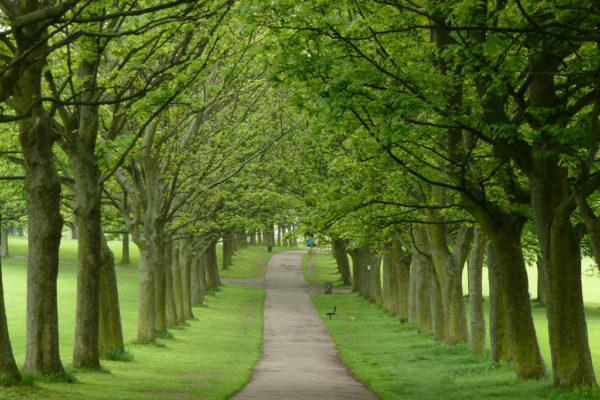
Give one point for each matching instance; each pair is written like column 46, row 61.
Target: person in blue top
column 308, row 242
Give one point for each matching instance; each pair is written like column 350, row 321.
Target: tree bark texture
column 177, row 284
column 412, row 293
column 499, row 332
column 125, row 258
column 567, row 328
column 8, row 366
column 84, row 167
column 437, row 306
column 186, row 278
column 542, row 281
column 146, row 297
column 423, row 271
column 42, row 194
column 228, row 249
column 170, row 305
column 210, row 263
column 4, row 242
column 110, row 328
column 448, row 267
column 475, row 265
column 390, row 283
column 341, row 258
column 198, row 284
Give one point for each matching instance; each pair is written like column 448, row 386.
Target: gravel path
column 299, row 359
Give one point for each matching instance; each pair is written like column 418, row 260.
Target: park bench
column 330, row 313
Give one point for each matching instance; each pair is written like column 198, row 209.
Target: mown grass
column 400, row 364
column 248, row 263
column 210, row 358
column 320, row 268
column 17, row 246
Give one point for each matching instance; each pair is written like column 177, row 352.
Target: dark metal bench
column 330, row 313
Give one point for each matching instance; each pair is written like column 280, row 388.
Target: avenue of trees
column 418, row 136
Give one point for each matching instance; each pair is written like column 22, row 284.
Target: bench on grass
column 330, row 313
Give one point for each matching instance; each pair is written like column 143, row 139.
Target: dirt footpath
column 299, row 359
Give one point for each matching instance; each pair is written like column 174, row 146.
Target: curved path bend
column 299, row 358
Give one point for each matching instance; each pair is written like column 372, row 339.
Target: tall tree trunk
column 253, row 238
column 186, row 278
column 552, row 208
column 475, row 265
column 401, row 258
column 228, row 248
column 210, row 263
column 542, row 281
column 110, row 328
column 84, row 166
column 146, row 297
column 437, row 305
column 284, row 234
column 198, row 284
column 278, row 235
column 160, row 282
column 448, row 267
column 366, row 266
column 4, row 241
column 423, row 271
column 514, row 285
column 504, row 231
column 75, row 229
column 170, row 304
column 260, row 237
column 374, row 270
column 499, row 331
column 341, row 258
column 390, row 283
column 125, row 258
column 412, row 293
column 177, row 284
column 42, row 194
column 8, row 366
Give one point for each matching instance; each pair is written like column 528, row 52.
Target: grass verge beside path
column 397, row 363
column 249, row 262
column 211, row 358
column 320, row 268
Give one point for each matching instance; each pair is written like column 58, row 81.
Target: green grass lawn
column 320, row 268
column 210, row 359
column 17, row 246
column 248, row 263
column 398, row 363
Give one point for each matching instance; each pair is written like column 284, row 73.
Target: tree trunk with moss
column 390, row 283
column 228, row 249
column 341, row 259
column 475, row 266
column 177, row 284
column 186, row 278
column 213, row 279
column 448, row 267
column 4, row 242
column 8, row 366
column 412, row 293
column 170, row 304
column 499, row 339
column 423, row 271
column 110, row 336
column 437, row 309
